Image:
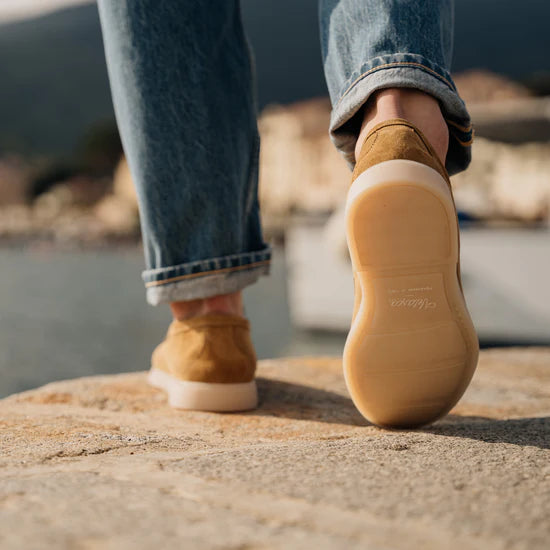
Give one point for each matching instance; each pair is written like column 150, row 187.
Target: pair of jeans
column 182, row 81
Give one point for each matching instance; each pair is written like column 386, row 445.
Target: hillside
column 54, row 81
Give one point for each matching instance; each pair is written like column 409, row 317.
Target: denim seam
column 462, row 143
column 253, row 170
column 205, row 263
column 205, row 273
column 391, row 65
column 459, row 127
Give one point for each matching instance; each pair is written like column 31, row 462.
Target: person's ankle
column 225, row 304
column 417, row 107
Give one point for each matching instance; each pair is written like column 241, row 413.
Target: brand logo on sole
column 413, row 302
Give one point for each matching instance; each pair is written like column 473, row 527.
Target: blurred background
column 72, row 300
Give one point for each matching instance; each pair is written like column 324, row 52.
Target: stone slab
column 102, row 462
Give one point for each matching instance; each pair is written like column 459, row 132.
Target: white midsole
column 205, row 396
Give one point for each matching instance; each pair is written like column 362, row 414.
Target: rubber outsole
column 205, row 396
column 412, row 348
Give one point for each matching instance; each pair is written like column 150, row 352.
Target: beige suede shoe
column 412, row 348
column 207, row 363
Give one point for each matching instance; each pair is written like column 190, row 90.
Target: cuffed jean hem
column 206, row 278
column 402, row 71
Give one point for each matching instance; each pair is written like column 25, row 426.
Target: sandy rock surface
column 103, row 463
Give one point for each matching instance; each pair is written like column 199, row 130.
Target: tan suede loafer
column 412, row 348
column 207, row 363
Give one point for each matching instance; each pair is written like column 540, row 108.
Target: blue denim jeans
column 182, row 81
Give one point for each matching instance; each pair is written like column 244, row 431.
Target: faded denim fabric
column 183, row 88
column 368, row 45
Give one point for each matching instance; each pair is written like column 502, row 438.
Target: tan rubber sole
column 412, row 348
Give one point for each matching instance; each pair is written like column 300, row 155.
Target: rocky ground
column 102, row 462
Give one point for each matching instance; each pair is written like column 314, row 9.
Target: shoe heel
column 412, row 348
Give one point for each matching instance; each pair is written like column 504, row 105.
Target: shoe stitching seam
column 372, row 144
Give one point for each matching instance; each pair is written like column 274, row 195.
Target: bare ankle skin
column 417, row 107
column 228, row 304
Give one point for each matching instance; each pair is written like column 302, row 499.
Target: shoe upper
column 214, row 348
column 397, row 139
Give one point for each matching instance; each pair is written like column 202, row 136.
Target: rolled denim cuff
column 205, row 278
column 402, row 71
